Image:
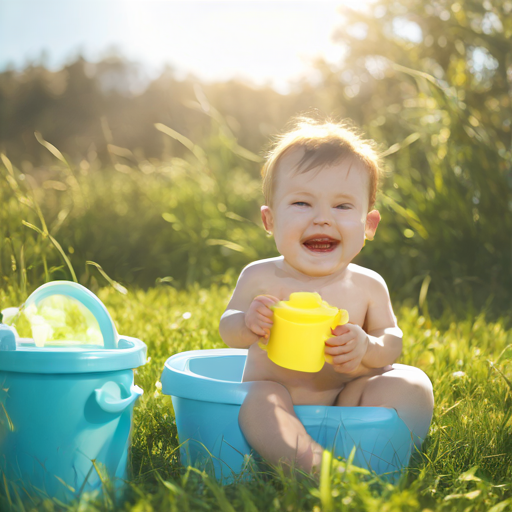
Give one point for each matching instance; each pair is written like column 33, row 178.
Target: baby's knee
column 418, row 385
column 262, row 396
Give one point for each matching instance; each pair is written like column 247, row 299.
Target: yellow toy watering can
column 301, row 326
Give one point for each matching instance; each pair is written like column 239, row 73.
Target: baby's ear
column 267, row 218
column 372, row 221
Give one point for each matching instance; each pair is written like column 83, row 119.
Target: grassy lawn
column 467, row 459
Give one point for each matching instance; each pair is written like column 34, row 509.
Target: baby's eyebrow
column 309, row 194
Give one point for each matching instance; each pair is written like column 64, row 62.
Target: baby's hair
column 324, row 143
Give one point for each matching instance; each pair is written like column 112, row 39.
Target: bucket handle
column 87, row 298
column 109, row 403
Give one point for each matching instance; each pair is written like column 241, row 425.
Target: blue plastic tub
column 207, row 392
column 66, row 412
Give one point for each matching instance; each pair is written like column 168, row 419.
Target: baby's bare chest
column 343, row 295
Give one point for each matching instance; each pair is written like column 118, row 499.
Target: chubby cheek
column 286, row 242
column 352, row 228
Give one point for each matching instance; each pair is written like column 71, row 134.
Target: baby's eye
column 344, row 206
column 301, row 203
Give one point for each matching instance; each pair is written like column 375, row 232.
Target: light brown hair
column 324, row 143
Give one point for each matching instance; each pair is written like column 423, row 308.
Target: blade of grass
column 423, row 295
column 120, row 288
column 407, row 214
column 6, row 485
column 325, row 481
column 63, row 254
column 50, row 147
column 57, row 246
column 196, row 150
column 397, row 147
column 226, row 243
column 7, row 163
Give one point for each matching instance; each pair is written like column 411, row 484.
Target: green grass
column 467, row 459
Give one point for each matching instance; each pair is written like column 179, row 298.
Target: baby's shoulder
column 259, row 269
column 366, row 278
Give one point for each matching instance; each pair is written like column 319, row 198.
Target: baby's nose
column 323, row 216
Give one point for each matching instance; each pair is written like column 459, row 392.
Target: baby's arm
column 247, row 318
column 384, row 335
column 379, row 345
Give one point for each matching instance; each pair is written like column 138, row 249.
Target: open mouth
column 321, row 244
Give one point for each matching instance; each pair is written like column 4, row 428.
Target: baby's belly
column 320, row 388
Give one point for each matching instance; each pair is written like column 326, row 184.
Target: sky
column 258, row 41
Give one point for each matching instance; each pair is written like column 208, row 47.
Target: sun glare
column 261, row 42
column 271, row 42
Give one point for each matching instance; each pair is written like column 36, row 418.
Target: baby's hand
column 347, row 347
column 259, row 315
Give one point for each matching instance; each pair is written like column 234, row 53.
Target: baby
column 320, row 182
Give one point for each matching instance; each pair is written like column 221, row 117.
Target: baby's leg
column 269, row 424
column 404, row 388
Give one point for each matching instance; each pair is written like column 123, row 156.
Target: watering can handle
column 87, row 298
column 115, row 405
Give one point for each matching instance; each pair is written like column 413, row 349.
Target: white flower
column 458, row 374
column 186, row 315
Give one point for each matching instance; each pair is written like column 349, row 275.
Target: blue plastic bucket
column 207, row 392
column 66, row 412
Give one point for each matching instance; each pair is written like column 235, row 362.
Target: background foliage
column 165, row 184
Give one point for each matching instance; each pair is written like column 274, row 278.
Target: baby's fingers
column 260, row 330
column 338, row 350
column 267, row 300
column 267, row 321
column 342, row 364
column 336, row 341
column 340, row 329
column 264, row 313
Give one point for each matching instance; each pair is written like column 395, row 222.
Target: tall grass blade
column 50, row 147
column 6, row 485
column 397, row 147
column 226, row 243
column 23, row 273
column 7, row 163
column 35, row 228
column 325, row 481
column 423, row 293
column 219, row 494
column 120, row 288
column 193, row 148
column 407, row 214
column 56, row 244
column 63, row 254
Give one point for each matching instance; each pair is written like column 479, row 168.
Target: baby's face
column 319, row 218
